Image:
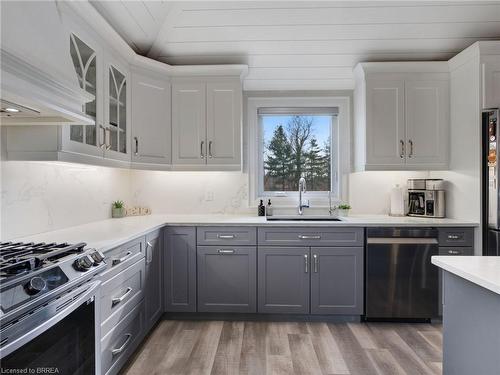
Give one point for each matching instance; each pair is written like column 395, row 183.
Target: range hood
column 30, row 96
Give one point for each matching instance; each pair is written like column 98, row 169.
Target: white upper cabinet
column 206, row 124
column 401, row 116
column 87, row 64
column 224, row 123
column 117, row 113
column 189, row 131
column 427, row 116
column 491, row 81
column 385, row 126
column 151, row 126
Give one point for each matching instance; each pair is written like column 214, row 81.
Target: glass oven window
column 66, row 348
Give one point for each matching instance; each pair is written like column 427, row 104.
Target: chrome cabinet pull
column 107, row 138
column 316, row 261
column 306, row 263
column 202, row 155
column 226, row 236
column 210, row 149
column 136, row 146
column 454, row 252
column 149, row 254
column 122, row 348
column 402, row 150
column 116, row 261
column 116, row 300
column 411, row 148
column 305, row 237
column 225, row 251
column 453, row 237
column 102, row 131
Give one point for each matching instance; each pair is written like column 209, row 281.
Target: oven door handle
column 62, row 307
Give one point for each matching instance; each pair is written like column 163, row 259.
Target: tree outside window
column 296, row 145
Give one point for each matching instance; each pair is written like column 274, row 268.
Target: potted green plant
column 343, row 209
column 117, row 209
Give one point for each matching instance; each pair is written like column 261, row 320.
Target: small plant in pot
column 117, row 209
column 343, row 209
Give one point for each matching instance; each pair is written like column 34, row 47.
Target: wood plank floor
column 258, row 348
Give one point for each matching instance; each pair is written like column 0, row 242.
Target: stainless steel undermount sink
column 302, row 218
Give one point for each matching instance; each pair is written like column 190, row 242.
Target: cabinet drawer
column 123, row 256
column 120, row 294
column 456, row 250
column 119, row 344
column 227, row 279
column 311, row 236
column 456, row 237
column 220, row 236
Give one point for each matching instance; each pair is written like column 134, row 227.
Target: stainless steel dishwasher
column 401, row 282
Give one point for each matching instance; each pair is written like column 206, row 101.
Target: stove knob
column 83, row 264
column 97, row 257
column 35, row 285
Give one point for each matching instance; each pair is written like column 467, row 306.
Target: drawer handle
column 226, row 236
column 122, row 348
column 453, row 236
column 115, row 301
column 225, row 251
column 304, row 237
column 454, row 252
column 316, row 262
column 122, row 259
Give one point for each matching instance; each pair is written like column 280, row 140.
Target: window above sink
column 294, row 136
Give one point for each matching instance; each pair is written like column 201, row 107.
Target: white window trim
column 343, row 152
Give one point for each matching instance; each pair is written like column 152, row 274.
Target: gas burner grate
column 18, row 257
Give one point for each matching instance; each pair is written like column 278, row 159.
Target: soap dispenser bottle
column 261, row 209
column 269, row 208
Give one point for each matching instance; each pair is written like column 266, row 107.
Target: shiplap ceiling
column 303, row 44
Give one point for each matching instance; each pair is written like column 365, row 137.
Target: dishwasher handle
column 402, row 241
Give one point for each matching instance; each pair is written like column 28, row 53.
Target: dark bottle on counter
column 269, row 208
column 261, row 210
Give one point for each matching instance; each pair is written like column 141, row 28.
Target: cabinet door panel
column 491, row 82
column 151, row 128
column 154, row 290
column 189, row 123
column 180, row 269
column 385, row 129
column 117, row 109
column 337, row 280
column 427, row 117
column 224, row 123
column 283, row 280
column 227, row 279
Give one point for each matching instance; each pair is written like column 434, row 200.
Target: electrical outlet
column 209, row 196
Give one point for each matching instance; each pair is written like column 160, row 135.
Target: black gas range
column 48, row 305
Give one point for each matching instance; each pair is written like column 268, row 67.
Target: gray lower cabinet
column 154, row 294
column 283, row 280
column 180, row 269
column 337, row 280
column 227, row 279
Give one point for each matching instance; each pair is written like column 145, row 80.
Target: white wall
column 39, row 197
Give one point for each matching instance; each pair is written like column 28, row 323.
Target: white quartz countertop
column 106, row 234
column 481, row 270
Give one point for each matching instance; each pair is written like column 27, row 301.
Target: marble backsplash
column 44, row 196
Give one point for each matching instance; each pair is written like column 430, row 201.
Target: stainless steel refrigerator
column 491, row 191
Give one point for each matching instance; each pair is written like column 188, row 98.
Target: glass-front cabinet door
column 117, row 107
column 86, row 139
